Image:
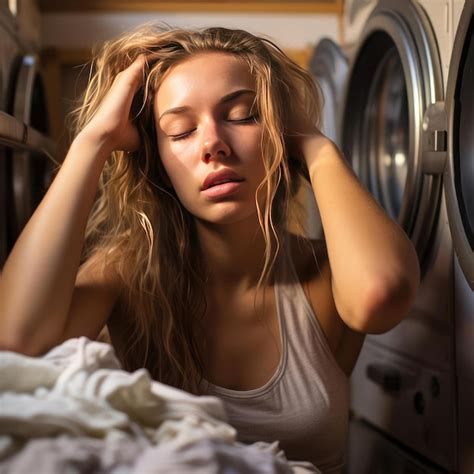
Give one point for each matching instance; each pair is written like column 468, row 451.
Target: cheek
column 174, row 162
column 251, row 142
column 180, row 175
column 174, row 170
column 250, row 149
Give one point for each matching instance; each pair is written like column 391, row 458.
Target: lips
column 220, row 177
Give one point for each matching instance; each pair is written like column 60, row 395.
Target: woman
column 197, row 142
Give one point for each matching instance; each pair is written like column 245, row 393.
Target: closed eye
column 181, row 136
column 250, row 118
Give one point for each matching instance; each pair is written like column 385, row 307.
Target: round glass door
column 388, row 120
column 394, row 75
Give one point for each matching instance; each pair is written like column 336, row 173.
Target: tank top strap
column 290, row 298
column 301, row 323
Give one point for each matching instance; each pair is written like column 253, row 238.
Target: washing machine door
column 31, row 171
column 459, row 170
column 329, row 67
column 394, row 74
column 459, row 192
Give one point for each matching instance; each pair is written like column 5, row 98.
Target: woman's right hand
column 111, row 126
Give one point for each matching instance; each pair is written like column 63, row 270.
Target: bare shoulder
column 312, row 265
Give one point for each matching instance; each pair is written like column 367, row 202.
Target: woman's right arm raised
column 43, row 298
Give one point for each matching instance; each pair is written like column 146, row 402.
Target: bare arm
column 375, row 271
column 40, row 301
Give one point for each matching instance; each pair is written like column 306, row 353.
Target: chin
column 228, row 214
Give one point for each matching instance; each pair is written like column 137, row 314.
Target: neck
column 234, row 253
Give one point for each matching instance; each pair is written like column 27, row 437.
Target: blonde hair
column 137, row 220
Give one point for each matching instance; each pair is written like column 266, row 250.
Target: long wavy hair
column 138, row 223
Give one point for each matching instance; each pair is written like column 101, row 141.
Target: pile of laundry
column 74, row 410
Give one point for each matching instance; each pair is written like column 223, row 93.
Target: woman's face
column 207, row 134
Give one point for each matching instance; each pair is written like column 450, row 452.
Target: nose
column 214, row 145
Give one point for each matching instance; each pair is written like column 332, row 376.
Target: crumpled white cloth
column 75, row 410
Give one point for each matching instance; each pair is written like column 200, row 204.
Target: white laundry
column 78, row 396
column 91, row 395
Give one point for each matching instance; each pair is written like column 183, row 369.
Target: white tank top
column 305, row 404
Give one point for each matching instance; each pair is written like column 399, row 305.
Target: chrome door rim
column 405, row 25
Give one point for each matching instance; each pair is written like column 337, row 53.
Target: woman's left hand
column 316, row 148
column 308, row 144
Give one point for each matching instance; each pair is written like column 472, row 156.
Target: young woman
column 175, row 196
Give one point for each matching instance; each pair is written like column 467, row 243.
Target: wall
column 82, row 30
column 67, row 38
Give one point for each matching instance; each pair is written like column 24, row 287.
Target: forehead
column 205, row 76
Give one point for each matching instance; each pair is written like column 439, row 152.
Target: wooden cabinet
column 270, row 6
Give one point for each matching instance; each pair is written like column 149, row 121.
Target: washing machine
column 26, row 151
column 5, row 55
column 371, row 451
column 356, row 13
column 455, row 120
column 404, row 382
column 328, row 66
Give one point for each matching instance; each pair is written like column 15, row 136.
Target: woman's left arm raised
column 374, row 266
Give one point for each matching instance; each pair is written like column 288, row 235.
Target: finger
column 139, row 62
column 127, row 83
column 133, row 74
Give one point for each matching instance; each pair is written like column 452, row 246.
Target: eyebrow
column 223, row 100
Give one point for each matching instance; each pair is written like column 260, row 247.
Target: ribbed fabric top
column 305, row 404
